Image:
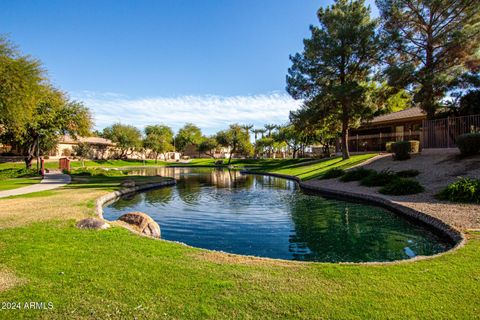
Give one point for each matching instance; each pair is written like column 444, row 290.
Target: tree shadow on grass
column 321, row 171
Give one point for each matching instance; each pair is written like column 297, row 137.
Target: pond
column 271, row 217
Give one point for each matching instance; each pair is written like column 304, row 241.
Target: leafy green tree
column 235, row 138
column 336, row 65
column 264, row 145
column 315, row 126
column 208, row 146
column 158, row 138
column 292, row 137
column 22, row 82
column 469, row 103
column 53, row 117
column 188, row 134
column 82, row 150
column 126, row 137
column 431, row 43
column 390, row 99
column 33, row 114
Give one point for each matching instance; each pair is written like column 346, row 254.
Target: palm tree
column 269, row 128
column 247, row 128
column 262, row 132
column 256, row 132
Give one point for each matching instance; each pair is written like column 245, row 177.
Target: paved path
column 49, row 182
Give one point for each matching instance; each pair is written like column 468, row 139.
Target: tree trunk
column 230, row 157
column 345, row 151
column 30, row 155
column 28, row 162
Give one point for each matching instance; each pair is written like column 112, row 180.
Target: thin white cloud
column 210, row 112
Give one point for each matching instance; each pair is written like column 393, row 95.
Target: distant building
column 191, row 151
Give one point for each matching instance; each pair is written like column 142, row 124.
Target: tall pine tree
column 336, row 64
column 431, row 43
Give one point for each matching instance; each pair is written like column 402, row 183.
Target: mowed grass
column 313, row 169
column 14, row 183
column 115, row 274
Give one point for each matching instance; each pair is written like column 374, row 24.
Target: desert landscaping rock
column 143, row 222
column 92, row 223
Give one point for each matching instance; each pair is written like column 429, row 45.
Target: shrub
column 408, row 173
column 356, row 174
column 402, row 186
column 463, row 190
column 376, row 179
column 80, row 172
column 333, row 173
column 401, row 150
column 388, row 146
column 468, row 144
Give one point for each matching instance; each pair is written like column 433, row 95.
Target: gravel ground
column 436, row 171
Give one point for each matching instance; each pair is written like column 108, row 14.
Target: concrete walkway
column 49, row 182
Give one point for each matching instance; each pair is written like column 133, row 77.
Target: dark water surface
column 271, row 217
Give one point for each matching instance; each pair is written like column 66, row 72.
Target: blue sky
column 211, row 62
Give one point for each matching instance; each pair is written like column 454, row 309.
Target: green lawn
column 9, row 184
column 117, row 274
column 306, row 171
column 208, row 162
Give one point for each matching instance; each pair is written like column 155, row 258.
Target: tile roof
column 91, row 140
column 413, row 112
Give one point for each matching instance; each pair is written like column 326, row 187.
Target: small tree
column 126, row 137
column 264, row 145
column 208, row 146
column 158, row 138
column 188, row 134
column 236, row 139
column 292, row 137
column 82, row 150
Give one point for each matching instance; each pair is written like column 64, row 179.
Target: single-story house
column 396, row 126
column 101, row 148
column 191, row 151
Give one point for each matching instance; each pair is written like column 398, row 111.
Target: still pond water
column 271, row 217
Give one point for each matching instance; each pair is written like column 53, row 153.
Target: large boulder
column 143, row 222
column 92, row 223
